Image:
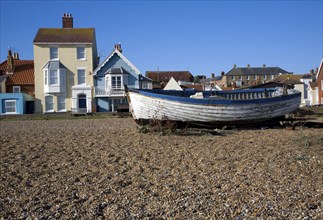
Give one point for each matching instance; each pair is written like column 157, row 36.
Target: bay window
column 116, row 82
column 53, row 77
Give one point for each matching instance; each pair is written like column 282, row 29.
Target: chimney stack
column 212, row 75
column 248, row 65
column 222, row 73
column 264, row 65
column 312, row 72
column 67, row 20
column 16, row 56
column 118, row 47
column 234, row 66
column 10, row 66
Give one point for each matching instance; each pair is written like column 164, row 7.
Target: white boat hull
column 152, row 108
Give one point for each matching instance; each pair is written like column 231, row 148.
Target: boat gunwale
column 221, row 101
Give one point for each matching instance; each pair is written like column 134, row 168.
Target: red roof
column 197, row 87
column 165, row 76
column 23, row 73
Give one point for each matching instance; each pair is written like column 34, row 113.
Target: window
column 116, row 82
column 45, row 76
column 61, row 103
column 49, row 101
column 53, row 77
column 81, row 76
column 272, row 76
column 240, row 77
column 265, row 77
column 145, row 85
column 255, row 77
column 81, row 53
column 232, row 77
column 53, row 53
column 248, row 77
column 10, row 106
column 16, row 89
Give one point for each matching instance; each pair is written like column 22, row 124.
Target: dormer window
column 81, row 53
column 53, row 53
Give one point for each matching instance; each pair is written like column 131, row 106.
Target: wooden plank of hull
column 144, row 107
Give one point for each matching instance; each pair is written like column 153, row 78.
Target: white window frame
column 16, row 87
column 322, row 86
column 232, row 77
column 109, row 79
column 145, row 85
column 255, row 77
column 248, row 77
column 59, row 101
column 78, row 76
column 240, row 77
column 117, row 87
column 46, row 103
column 265, row 77
column 15, row 106
column 50, row 83
column 51, row 53
column 80, row 52
column 272, row 76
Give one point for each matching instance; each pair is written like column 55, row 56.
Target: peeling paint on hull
column 145, row 107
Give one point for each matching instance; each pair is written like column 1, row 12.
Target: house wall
column 28, row 89
column 116, row 62
column 320, row 89
column 227, row 80
column 301, row 88
column 18, row 97
column 3, row 87
column 68, row 57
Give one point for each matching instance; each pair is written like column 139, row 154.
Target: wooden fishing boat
column 218, row 108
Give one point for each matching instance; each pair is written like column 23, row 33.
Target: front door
column 82, row 101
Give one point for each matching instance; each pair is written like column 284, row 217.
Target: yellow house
column 64, row 59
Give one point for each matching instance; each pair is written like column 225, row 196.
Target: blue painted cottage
column 109, row 80
column 14, row 103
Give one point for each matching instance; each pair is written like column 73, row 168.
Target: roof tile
column 23, row 72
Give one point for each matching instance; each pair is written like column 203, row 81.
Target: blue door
column 82, row 101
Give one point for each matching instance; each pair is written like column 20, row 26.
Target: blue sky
column 203, row 37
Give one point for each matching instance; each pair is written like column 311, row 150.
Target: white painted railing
column 109, row 92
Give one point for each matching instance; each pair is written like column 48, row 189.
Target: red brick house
column 319, row 79
column 17, row 76
column 160, row 78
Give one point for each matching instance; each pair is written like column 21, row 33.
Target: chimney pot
column 212, row 75
column 222, row 73
column 264, row 65
column 67, row 20
column 234, row 66
column 248, row 65
column 118, row 47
